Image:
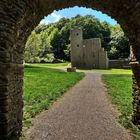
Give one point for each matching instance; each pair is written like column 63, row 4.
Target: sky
column 72, row 12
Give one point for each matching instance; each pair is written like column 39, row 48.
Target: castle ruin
column 88, row 53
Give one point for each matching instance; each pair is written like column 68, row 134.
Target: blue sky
column 72, row 12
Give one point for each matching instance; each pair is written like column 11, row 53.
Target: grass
column 42, row 87
column 120, row 89
column 114, row 71
column 49, row 64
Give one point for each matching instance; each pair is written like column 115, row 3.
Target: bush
column 49, row 58
column 36, row 60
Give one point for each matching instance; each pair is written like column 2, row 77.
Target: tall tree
column 32, row 48
column 120, row 47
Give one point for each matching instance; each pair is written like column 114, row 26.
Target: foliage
column 93, row 28
column 31, row 48
column 38, row 48
column 119, row 43
column 51, row 42
column 119, row 88
column 43, row 86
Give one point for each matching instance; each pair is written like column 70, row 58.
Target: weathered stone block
column 72, row 69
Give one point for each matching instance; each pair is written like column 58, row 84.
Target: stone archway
column 18, row 18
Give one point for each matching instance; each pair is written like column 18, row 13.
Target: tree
column 60, row 32
column 53, row 40
column 44, row 46
column 120, row 43
column 38, row 48
column 32, row 48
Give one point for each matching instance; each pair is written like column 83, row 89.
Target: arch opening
column 16, row 23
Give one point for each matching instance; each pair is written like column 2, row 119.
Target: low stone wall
column 71, row 69
column 119, row 63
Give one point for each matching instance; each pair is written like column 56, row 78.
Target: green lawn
column 120, row 90
column 114, row 71
column 49, row 64
column 42, row 86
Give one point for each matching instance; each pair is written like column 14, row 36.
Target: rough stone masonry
column 19, row 17
column 88, row 53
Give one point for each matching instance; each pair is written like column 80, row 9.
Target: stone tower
column 87, row 54
column 76, row 47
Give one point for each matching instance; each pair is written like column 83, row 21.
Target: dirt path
column 83, row 113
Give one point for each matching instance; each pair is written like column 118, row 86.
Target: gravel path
column 83, row 113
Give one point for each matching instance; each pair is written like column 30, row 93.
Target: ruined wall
column 87, row 54
column 90, row 52
column 103, row 59
column 119, row 64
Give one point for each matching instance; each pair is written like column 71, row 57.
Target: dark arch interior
column 19, row 18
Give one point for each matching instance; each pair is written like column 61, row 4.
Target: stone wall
column 77, row 42
column 103, row 59
column 15, row 19
column 119, row 63
column 87, row 54
column 90, row 53
column 18, row 18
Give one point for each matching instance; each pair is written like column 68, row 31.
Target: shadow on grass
column 30, row 66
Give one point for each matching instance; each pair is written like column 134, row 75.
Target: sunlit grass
column 48, row 64
column 119, row 88
column 114, row 71
column 43, row 86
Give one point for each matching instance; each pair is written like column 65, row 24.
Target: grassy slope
column 43, row 86
column 120, row 89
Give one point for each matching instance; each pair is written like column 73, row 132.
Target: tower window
column 77, row 34
column 78, row 45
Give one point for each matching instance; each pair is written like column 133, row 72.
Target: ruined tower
column 76, row 37
column 88, row 53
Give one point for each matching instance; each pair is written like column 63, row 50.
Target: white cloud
column 53, row 17
column 56, row 17
column 45, row 21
